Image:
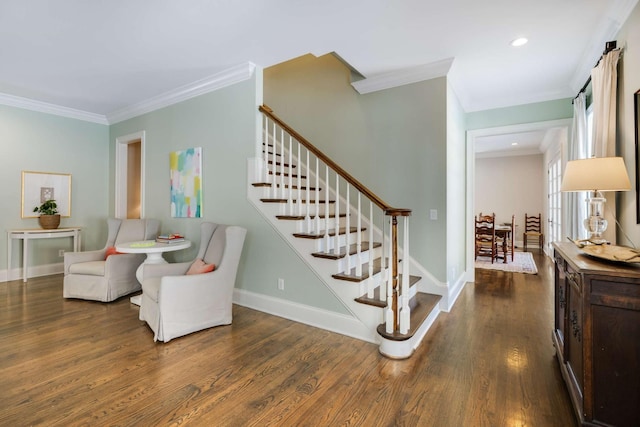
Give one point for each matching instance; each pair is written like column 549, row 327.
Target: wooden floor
column 489, row 362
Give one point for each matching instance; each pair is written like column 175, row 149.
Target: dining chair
column 533, row 229
column 485, row 235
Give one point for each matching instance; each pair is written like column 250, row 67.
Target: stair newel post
column 336, row 221
column 405, row 313
column 327, row 239
column 370, row 284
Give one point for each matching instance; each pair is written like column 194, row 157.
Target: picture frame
column 37, row 187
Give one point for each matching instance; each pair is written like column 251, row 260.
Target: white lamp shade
column 596, row 174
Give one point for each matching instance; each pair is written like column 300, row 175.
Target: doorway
column 554, row 213
column 562, row 125
column 129, row 178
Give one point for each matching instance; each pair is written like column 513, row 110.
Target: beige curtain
column 604, row 82
column 576, row 211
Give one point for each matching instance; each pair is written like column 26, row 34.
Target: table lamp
column 596, row 175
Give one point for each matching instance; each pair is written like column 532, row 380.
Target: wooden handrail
column 388, row 210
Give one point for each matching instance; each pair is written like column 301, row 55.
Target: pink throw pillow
column 111, row 250
column 199, row 266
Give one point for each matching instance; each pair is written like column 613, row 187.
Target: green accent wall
column 40, row 142
column 519, row 114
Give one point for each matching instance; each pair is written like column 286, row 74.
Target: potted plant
column 49, row 217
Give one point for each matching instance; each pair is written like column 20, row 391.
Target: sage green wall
column 223, row 123
column 519, row 114
column 393, row 140
column 628, row 84
column 456, row 187
column 42, row 142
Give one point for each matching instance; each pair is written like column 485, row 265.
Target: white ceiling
column 100, row 57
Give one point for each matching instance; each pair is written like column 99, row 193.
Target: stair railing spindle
column 307, row 216
column 327, row 219
column 336, row 222
column 405, row 311
column 317, row 197
column 347, row 228
column 359, row 238
column 370, row 283
column 389, row 314
column 265, row 151
column 290, row 168
column 282, row 164
column 299, row 192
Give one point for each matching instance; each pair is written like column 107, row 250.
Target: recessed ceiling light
column 519, row 41
column 514, row 143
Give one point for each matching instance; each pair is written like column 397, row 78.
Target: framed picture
column 185, row 168
column 38, row 187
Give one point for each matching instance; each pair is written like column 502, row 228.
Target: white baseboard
column 35, row 271
column 335, row 322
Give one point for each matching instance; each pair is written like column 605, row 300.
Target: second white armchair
column 175, row 303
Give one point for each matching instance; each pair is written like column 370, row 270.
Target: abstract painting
column 186, row 183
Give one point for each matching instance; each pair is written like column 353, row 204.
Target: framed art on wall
column 38, row 187
column 186, row 183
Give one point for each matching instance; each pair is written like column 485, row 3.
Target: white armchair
column 88, row 275
column 176, row 304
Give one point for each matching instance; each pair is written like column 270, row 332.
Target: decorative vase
column 49, row 222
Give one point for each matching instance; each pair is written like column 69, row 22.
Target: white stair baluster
column 370, row 282
column 327, row 239
column 299, row 192
column 282, row 162
column 389, row 312
column 265, row 153
column 359, row 240
column 317, row 199
column 382, row 282
column 336, row 222
column 307, row 216
column 290, row 190
column 347, row 229
column 405, row 313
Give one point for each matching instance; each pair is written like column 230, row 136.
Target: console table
column 597, row 336
column 37, row 233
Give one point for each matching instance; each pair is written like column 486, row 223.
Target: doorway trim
column 472, row 136
column 122, row 143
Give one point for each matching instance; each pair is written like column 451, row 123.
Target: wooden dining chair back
column 485, row 235
column 533, row 230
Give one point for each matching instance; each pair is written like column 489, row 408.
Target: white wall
column 510, row 185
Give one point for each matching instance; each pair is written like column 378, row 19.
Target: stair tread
column 278, row 173
column 375, row 301
column 279, row 200
column 293, row 187
column 342, row 252
column 332, row 232
column 287, row 165
column 422, row 304
column 301, row 217
column 353, row 277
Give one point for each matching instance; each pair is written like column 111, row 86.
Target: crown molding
column 403, row 77
column 56, row 110
column 212, row 83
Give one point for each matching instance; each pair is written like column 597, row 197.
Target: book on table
column 170, row 238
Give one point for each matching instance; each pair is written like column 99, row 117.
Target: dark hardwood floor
column 489, row 362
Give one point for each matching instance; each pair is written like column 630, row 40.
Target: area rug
column 522, row 263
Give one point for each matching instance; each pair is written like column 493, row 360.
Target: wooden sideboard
column 597, row 336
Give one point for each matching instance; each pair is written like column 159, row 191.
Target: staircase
column 355, row 243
